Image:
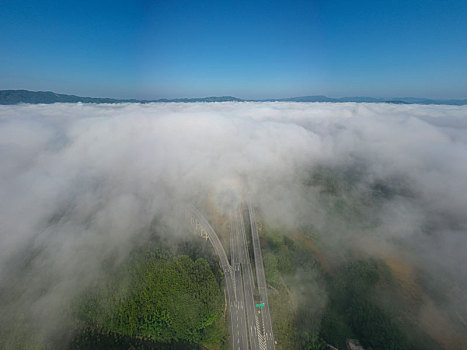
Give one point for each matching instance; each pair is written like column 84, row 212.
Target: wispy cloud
column 81, row 182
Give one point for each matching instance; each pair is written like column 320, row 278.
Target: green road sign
column 260, row 305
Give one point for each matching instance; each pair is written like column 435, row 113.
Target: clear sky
column 249, row 49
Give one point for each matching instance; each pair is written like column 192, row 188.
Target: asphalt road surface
column 261, row 281
column 240, row 322
column 240, row 254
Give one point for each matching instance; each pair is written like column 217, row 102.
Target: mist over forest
column 85, row 186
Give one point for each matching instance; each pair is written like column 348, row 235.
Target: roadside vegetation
column 323, row 290
column 163, row 295
column 160, row 298
column 312, row 307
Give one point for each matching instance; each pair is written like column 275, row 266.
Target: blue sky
column 249, row 49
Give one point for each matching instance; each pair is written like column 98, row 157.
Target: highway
column 246, row 276
column 247, row 332
column 239, row 307
column 261, row 281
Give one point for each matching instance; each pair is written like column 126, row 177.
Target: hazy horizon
column 267, row 99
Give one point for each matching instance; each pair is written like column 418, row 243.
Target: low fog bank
column 82, row 183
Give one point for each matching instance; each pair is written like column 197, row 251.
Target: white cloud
column 81, row 181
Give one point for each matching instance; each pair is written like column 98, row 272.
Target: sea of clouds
column 81, row 182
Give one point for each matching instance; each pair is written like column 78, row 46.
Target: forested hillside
column 157, row 298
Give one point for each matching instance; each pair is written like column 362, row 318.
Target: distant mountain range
column 10, row 97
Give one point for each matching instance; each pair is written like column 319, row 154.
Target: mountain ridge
column 11, row 97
